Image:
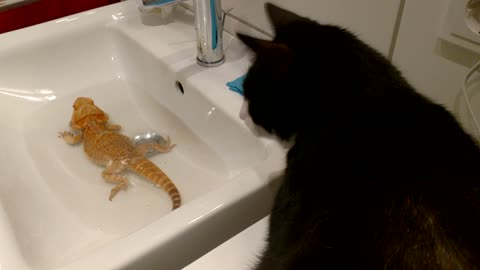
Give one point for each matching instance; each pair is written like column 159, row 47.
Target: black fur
column 379, row 177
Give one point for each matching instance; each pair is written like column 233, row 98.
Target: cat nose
column 243, row 111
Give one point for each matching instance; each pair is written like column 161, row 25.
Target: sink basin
column 54, row 207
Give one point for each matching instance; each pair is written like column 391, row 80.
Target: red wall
column 45, row 10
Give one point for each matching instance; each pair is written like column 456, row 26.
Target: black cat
column 378, row 177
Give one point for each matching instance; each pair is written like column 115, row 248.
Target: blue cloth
column 154, row 3
column 237, row 84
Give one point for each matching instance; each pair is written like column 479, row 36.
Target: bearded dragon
column 105, row 146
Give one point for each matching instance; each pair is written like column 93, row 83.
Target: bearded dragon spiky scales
column 106, row 147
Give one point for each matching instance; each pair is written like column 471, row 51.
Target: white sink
column 54, row 207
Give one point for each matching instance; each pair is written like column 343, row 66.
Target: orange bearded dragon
column 105, row 146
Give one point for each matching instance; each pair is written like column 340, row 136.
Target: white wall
column 422, row 58
column 416, row 54
column 372, row 20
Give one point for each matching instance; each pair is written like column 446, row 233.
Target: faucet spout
column 209, row 18
column 209, row 28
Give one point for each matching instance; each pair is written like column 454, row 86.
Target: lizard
column 105, row 146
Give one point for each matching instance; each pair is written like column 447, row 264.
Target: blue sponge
column 237, row 84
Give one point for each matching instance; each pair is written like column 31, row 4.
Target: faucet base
column 210, row 64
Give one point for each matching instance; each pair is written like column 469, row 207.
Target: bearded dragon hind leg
column 112, row 174
column 166, row 147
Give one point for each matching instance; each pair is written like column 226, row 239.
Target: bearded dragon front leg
column 166, row 147
column 112, row 174
column 70, row 138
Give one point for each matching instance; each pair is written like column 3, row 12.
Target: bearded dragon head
column 84, row 112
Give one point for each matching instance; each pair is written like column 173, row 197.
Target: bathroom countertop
column 9, row 4
column 238, row 253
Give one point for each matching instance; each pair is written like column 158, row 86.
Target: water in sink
column 75, row 183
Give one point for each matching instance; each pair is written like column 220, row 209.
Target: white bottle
column 155, row 15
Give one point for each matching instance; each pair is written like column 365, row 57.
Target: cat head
column 281, row 89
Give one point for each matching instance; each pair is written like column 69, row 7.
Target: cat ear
column 279, row 16
column 257, row 44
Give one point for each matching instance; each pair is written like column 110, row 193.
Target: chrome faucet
column 209, row 18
